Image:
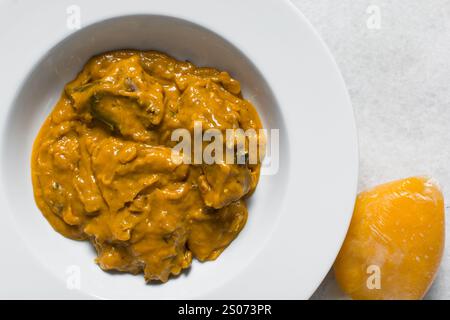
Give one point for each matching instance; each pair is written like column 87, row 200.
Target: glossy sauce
column 102, row 168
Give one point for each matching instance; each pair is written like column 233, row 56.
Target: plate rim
column 52, row 38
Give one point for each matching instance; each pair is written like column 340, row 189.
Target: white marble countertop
column 398, row 76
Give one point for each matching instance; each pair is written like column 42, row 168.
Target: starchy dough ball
column 395, row 242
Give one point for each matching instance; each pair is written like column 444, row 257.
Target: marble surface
column 397, row 72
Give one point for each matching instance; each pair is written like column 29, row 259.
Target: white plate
column 298, row 217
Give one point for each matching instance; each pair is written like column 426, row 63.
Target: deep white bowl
column 297, row 218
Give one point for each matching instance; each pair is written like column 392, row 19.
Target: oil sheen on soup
column 103, row 170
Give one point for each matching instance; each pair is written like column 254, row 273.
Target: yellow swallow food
column 395, row 242
column 102, row 168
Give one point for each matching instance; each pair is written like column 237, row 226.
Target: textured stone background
column 398, row 77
